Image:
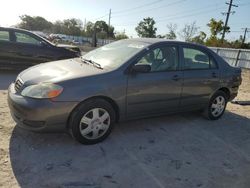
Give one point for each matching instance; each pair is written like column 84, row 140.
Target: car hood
column 58, row 71
column 70, row 47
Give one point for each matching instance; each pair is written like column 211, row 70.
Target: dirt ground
column 177, row 151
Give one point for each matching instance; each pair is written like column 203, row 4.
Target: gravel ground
column 176, row 151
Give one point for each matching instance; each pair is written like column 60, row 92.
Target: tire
column 218, row 101
column 92, row 121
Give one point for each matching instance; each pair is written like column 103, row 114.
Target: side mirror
column 143, row 68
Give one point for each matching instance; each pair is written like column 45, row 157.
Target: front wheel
column 217, row 106
column 92, row 121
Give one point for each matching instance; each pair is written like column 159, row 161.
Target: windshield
column 115, row 54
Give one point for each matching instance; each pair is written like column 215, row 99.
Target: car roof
column 13, row 29
column 160, row 40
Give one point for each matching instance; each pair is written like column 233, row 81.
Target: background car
column 20, row 49
column 127, row 79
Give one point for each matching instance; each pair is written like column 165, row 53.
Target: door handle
column 176, row 78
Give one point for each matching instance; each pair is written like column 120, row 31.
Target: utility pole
column 227, row 18
column 244, row 37
column 109, row 21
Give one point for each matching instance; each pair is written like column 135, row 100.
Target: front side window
column 161, row 59
column 4, row 36
column 27, row 39
column 196, row 59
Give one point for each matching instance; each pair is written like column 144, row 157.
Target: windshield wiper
column 88, row 61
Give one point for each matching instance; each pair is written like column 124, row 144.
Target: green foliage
column 146, row 28
column 172, row 29
column 161, row 36
column 200, row 39
column 216, row 27
column 120, row 36
column 111, row 32
column 101, row 28
column 89, row 29
column 68, row 27
column 35, row 23
column 171, row 35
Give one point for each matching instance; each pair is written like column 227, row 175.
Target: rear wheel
column 92, row 121
column 217, row 106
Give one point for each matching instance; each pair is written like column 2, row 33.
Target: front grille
column 18, row 85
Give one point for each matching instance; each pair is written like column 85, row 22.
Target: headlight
column 42, row 91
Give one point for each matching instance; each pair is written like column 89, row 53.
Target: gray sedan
column 127, row 79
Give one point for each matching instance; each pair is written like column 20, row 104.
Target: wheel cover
column 218, row 106
column 94, row 123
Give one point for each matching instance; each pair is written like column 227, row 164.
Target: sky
column 125, row 15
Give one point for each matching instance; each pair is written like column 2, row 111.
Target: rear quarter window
column 4, row 36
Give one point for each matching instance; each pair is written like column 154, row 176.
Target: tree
column 101, row 28
column 35, row 23
column 57, row 27
column 111, row 33
column 200, row 39
column 216, row 27
column 146, row 28
column 72, row 26
column 120, row 36
column 104, row 30
column 188, row 32
column 89, row 29
column 161, row 36
column 172, row 29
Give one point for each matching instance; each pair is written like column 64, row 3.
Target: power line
column 134, row 8
column 200, row 12
column 173, row 17
column 180, row 14
column 159, row 7
column 101, row 17
column 230, row 4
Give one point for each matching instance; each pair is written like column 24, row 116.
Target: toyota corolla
column 127, row 79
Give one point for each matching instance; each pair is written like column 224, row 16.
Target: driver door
column 158, row 91
column 29, row 50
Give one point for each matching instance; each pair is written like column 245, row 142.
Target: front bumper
column 41, row 115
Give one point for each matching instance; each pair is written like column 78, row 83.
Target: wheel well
column 226, row 91
column 113, row 104
column 111, row 101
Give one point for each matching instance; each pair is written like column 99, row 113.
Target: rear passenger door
column 201, row 77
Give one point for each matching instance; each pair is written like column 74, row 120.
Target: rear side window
column 4, row 36
column 27, row 39
column 196, row 59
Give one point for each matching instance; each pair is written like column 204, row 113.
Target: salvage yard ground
column 177, row 151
